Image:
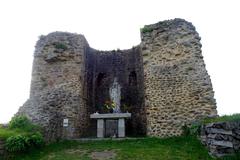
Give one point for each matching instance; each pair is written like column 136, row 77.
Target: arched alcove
column 132, row 78
column 100, row 78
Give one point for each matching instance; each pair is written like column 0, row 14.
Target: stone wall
column 221, row 138
column 70, row 81
column 164, row 82
column 58, row 85
column 126, row 67
column 178, row 88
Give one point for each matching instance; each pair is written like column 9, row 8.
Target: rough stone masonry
column 164, row 82
column 221, row 138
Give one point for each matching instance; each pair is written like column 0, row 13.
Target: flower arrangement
column 109, row 105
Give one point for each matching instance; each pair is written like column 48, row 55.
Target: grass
column 175, row 148
column 225, row 118
column 5, row 132
column 19, row 125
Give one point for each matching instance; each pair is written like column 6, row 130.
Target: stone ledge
column 223, row 143
column 110, row 115
column 219, row 131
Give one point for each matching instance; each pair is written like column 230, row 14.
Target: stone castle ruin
column 162, row 82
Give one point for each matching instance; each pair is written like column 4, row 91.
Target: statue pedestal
column 101, row 121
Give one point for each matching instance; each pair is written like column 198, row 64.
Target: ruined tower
column 164, row 82
column 178, row 88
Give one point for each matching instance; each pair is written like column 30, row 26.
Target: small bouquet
column 109, row 105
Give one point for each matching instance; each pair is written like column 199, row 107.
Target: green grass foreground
column 5, row 132
column 224, row 118
column 175, row 148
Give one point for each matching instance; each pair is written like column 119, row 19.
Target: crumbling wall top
column 61, row 40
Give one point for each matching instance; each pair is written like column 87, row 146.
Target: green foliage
column 35, row 139
column 195, row 128
column 225, row 118
column 109, row 106
column 192, row 129
column 16, row 143
column 59, row 45
column 186, row 130
column 21, row 135
column 235, row 156
column 23, row 123
column 175, row 148
column 21, row 143
column 19, row 122
column 146, row 29
column 6, row 132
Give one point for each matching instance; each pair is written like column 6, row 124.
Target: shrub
column 16, row 143
column 59, row 45
column 21, row 135
column 192, row 129
column 195, row 128
column 21, row 143
column 23, row 123
column 19, row 122
column 35, row 140
column 146, row 30
column 186, row 130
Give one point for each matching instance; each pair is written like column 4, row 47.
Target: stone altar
column 101, row 119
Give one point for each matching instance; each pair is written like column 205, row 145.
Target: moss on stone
column 59, row 45
column 224, row 118
column 146, row 29
column 5, row 132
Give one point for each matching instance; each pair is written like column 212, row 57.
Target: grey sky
column 112, row 24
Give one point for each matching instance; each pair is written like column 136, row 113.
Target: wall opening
column 132, row 79
column 100, row 78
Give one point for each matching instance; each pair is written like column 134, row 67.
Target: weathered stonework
column 57, row 87
column 164, row 83
column 178, row 88
column 221, row 138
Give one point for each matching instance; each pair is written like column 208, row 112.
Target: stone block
column 219, row 131
column 100, row 128
column 222, row 143
column 121, row 128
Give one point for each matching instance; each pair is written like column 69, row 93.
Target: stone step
column 222, row 143
column 219, row 131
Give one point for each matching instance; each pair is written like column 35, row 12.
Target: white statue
column 115, row 95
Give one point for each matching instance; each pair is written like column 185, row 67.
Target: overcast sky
column 112, row 24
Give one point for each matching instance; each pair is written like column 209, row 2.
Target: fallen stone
column 219, row 131
column 103, row 155
column 222, row 143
